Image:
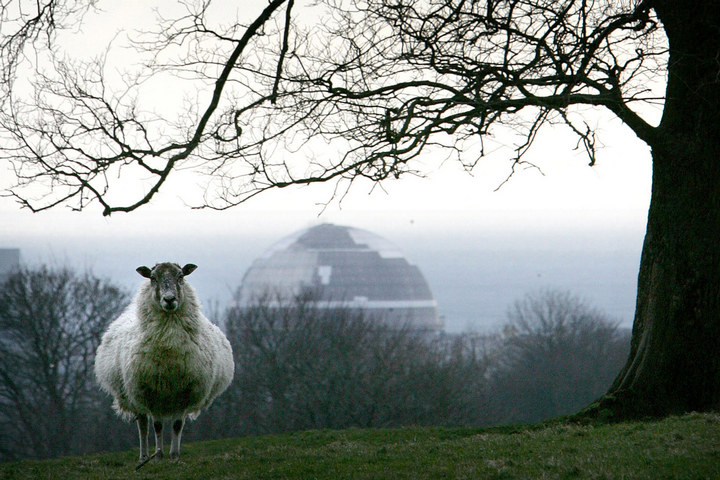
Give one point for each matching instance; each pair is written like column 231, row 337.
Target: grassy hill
column 686, row 447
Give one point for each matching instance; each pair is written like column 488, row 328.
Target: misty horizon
column 475, row 276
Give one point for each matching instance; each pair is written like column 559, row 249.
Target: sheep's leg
column 158, row 427
column 142, row 423
column 177, row 426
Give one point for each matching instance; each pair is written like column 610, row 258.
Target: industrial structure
column 344, row 267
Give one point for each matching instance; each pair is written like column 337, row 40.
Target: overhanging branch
column 384, row 80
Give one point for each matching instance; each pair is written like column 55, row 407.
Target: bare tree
column 387, row 79
column 302, row 367
column 51, row 322
column 299, row 367
column 556, row 355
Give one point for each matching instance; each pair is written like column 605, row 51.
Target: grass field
column 686, row 447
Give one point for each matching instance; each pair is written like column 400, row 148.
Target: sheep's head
column 166, row 280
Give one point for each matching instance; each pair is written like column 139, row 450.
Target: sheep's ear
column 144, row 271
column 188, row 269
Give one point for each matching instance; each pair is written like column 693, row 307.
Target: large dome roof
column 344, row 266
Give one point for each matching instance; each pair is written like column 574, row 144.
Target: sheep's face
column 167, row 280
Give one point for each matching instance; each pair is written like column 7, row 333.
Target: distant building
column 9, row 261
column 347, row 267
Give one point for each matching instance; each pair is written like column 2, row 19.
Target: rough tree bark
column 674, row 363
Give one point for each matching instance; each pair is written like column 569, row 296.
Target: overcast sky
column 568, row 194
column 578, row 228
column 568, row 200
column 617, row 187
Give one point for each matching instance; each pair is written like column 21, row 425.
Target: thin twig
column 144, row 462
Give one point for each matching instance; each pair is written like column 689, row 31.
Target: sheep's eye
column 180, row 279
column 153, row 280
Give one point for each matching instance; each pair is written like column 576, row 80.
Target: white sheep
column 162, row 358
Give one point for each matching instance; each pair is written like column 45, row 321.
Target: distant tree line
column 302, row 367
column 297, row 367
column 51, row 322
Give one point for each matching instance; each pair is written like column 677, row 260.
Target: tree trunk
column 674, row 363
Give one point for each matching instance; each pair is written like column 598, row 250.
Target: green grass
column 686, row 447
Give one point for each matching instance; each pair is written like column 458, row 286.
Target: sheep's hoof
column 158, row 455
column 175, row 456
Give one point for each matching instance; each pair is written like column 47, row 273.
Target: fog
column 558, row 225
column 477, row 263
column 567, row 226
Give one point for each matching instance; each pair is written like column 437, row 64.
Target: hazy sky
column 567, row 195
column 617, row 187
column 577, row 228
column 447, row 211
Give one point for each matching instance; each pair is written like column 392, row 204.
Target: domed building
column 344, row 266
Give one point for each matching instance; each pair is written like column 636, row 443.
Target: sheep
column 162, row 358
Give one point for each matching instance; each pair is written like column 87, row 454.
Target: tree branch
column 379, row 81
